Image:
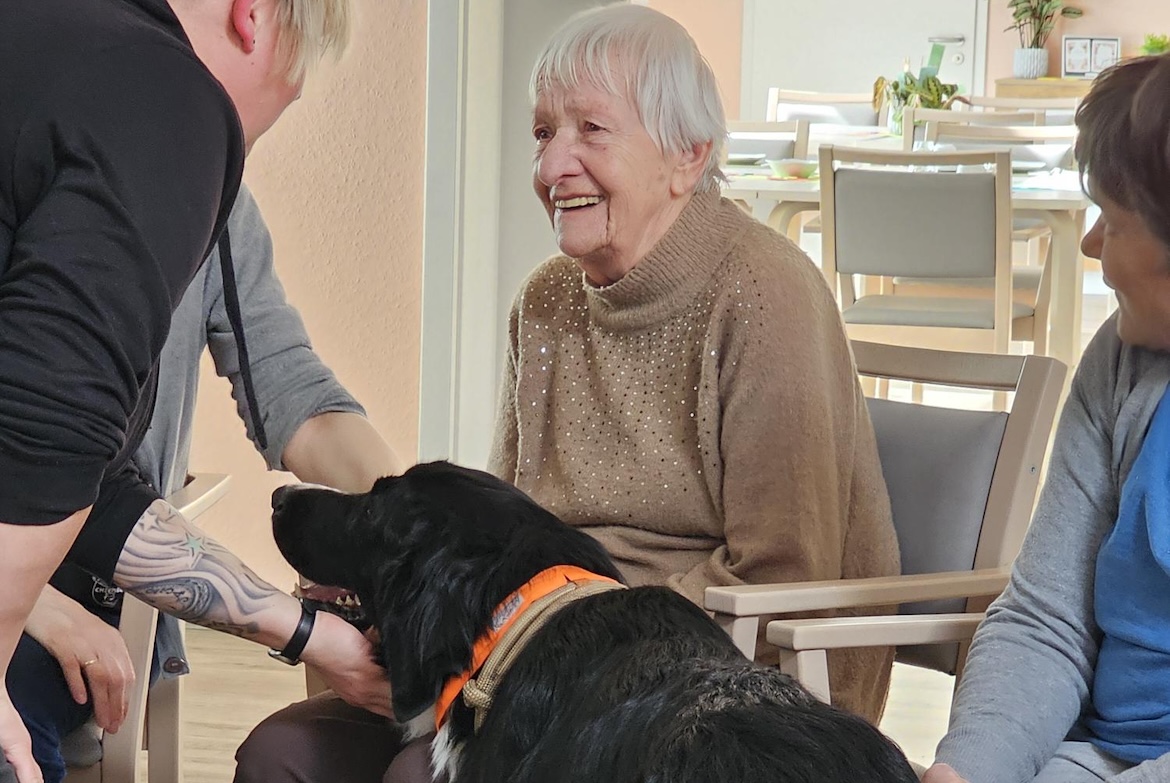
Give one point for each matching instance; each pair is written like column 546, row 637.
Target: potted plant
column 1035, row 20
column 925, row 90
column 1156, row 44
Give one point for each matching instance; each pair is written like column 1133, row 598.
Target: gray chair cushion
column 760, row 144
column 943, row 311
column 917, row 223
column 938, row 464
column 83, row 746
column 1024, row 278
column 828, row 113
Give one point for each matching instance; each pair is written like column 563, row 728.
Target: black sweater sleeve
column 123, row 173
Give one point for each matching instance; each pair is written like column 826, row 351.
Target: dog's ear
column 425, row 644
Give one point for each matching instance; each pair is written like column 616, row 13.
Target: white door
column 844, row 45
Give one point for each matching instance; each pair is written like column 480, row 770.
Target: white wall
column 485, row 229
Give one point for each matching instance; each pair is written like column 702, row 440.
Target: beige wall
column 717, row 27
column 339, row 179
column 1131, row 20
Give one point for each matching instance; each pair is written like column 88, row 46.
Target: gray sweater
column 291, row 383
column 1029, row 676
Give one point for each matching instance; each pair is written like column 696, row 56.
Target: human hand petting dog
column 347, row 662
column 942, row 773
column 88, row 650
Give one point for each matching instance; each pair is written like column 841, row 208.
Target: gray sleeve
column 292, row 384
column 1028, row 676
column 1153, row 771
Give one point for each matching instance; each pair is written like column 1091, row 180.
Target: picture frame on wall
column 1086, row 56
column 1105, row 52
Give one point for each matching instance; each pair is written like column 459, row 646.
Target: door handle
column 947, row 39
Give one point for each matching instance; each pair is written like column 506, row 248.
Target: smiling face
column 1136, row 265
column 610, row 193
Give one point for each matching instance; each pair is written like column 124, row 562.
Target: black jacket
column 120, row 157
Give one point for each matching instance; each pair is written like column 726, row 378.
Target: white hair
column 636, row 52
column 309, row 30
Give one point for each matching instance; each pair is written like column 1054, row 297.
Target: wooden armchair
column 962, row 485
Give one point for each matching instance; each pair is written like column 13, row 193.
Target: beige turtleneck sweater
column 702, row 419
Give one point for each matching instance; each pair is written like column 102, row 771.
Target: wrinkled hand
column 15, row 742
column 346, row 660
column 942, row 773
column 87, row 649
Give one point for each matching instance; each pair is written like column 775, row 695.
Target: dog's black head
column 431, row 553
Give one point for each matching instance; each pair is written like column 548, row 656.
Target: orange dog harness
column 494, row 650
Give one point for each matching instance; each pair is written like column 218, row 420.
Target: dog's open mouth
column 335, row 600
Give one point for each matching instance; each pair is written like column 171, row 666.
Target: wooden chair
column 900, row 216
column 1056, row 111
column 919, row 118
column 962, row 485
column 153, row 719
column 822, row 107
column 787, row 139
column 1048, row 144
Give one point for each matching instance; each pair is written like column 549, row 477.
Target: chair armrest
column 888, row 631
column 751, row 600
column 201, row 492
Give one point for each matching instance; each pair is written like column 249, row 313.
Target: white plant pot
column 1030, row 63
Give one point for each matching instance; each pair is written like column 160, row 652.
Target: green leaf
column 1071, row 13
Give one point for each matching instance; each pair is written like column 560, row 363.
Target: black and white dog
column 621, row 686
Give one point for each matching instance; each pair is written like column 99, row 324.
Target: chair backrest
column 962, row 483
column 1051, row 145
column 923, row 214
column 119, row 753
column 822, row 107
column 775, row 140
column 1056, row 111
column 917, row 118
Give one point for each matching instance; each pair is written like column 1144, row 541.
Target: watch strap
column 291, row 654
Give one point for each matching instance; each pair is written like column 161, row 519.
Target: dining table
column 1054, row 196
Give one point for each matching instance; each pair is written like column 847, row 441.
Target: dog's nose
column 279, row 496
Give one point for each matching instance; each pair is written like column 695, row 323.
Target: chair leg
column 917, row 391
column 810, row 668
column 164, row 759
column 742, row 630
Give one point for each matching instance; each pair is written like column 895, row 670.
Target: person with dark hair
column 1068, row 679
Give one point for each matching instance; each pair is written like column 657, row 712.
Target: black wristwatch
column 291, row 654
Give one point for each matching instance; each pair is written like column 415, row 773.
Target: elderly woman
column 678, row 382
column 1068, row 680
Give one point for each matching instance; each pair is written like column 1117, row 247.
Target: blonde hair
column 309, row 30
column 635, row 51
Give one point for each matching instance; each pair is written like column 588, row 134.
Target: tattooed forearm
column 172, row 565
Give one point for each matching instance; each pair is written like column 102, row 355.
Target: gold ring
column 90, row 662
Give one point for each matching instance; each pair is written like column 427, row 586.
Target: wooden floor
column 234, row 684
